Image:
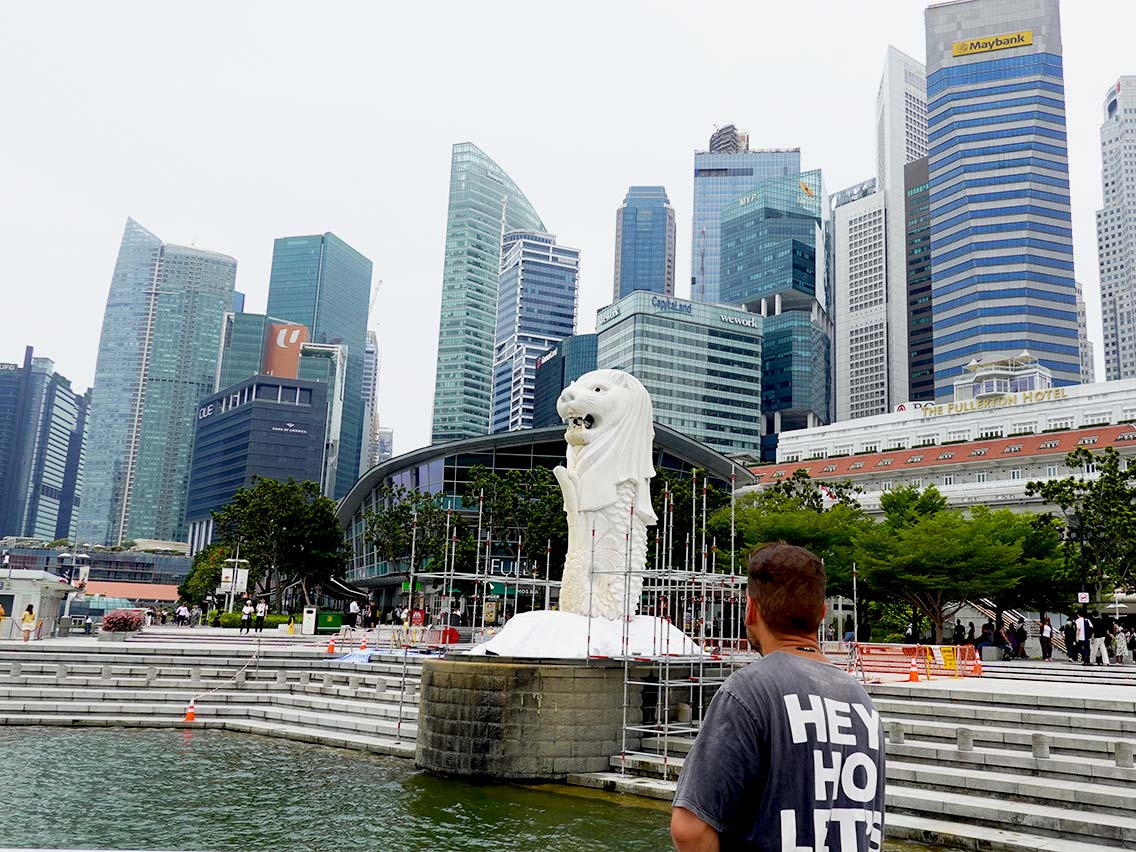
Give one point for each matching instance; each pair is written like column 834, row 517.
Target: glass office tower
column 157, row 358
column 1116, row 232
column 775, row 241
column 41, row 470
column 998, row 166
column 536, row 307
column 721, row 174
column 700, row 363
column 644, row 243
column 323, row 283
column 484, row 204
column 555, row 370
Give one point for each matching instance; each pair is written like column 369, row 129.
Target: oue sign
column 205, row 411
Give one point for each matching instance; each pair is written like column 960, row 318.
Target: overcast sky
column 225, row 125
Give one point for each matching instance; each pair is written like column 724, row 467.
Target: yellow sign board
column 989, row 43
column 1044, row 395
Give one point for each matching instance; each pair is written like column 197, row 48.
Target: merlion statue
column 607, row 492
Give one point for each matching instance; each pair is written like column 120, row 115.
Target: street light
column 74, row 557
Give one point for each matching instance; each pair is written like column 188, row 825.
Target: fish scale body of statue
column 607, row 492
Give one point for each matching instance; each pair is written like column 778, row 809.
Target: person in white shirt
column 1046, row 637
column 246, row 616
column 261, row 612
column 353, row 612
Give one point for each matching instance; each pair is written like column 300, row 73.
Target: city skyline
column 238, row 209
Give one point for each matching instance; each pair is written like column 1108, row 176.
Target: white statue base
column 551, row 634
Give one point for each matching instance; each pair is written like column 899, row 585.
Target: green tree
column 937, row 561
column 823, row 517
column 288, row 532
column 407, row 521
column 523, row 510
column 204, row 574
column 1042, row 582
column 1098, row 513
column 683, row 493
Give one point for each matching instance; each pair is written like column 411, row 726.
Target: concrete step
column 1046, row 820
column 991, row 693
column 1087, row 745
column 339, row 738
column 1034, row 718
column 898, row 826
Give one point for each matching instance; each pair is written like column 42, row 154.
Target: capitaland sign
column 664, row 304
column 1023, row 398
column 748, row 322
column 989, row 43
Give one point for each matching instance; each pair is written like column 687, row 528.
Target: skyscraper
column 722, row 174
column 1116, row 230
column 644, row 243
column 860, row 368
column 555, row 370
column 700, row 363
column 369, row 453
column 901, row 138
column 536, row 307
column 1001, row 242
column 920, row 332
column 1088, row 367
column 157, row 357
column 41, row 472
column 777, row 240
column 321, row 282
column 484, row 203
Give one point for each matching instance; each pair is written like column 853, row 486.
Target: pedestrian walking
column 960, row 632
column 1046, row 638
column 1021, row 636
column 246, row 616
column 1097, row 640
column 353, row 614
column 261, row 612
column 28, row 622
column 761, row 774
column 1084, row 636
column 970, row 633
column 1069, row 632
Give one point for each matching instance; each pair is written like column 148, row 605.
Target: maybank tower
column 998, row 168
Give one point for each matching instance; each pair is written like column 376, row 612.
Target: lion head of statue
column 610, row 435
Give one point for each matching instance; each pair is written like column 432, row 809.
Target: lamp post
column 74, row 557
column 236, row 563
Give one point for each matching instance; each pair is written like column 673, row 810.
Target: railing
column 930, row 661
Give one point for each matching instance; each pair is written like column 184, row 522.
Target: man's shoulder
column 776, row 675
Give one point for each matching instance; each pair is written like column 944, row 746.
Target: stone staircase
column 298, row 693
column 994, row 764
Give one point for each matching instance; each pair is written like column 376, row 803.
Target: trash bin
column 308, row 625
column 329, row 621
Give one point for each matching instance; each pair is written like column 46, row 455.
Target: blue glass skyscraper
column 776, row 263
column 536, row 307
column 484, row 204
column 321, row 282
column 721, row 175
column 644, row 243
column 1001, row 238
column 157, row 357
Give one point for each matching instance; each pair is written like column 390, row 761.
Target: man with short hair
column 1084, row 635
column 790, row 755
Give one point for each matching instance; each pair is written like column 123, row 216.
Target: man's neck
column 798, row 646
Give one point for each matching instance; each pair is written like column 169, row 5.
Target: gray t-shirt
column 790, row 749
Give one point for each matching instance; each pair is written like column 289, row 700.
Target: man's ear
column 751, row 612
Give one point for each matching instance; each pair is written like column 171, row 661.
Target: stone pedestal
column 508, row 718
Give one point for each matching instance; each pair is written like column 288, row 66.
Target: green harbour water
column 122, row 788
column 131, row 788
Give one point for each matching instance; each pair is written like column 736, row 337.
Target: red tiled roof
column 916, row 458
column 133, row 591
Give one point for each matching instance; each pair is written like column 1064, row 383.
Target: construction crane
column 374, row 295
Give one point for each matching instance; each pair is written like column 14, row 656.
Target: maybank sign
column 998, row 42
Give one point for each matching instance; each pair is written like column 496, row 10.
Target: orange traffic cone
column 189, row 712
column 363, row 644
column 913, row 677
column 978, row 667
column 331, row 645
